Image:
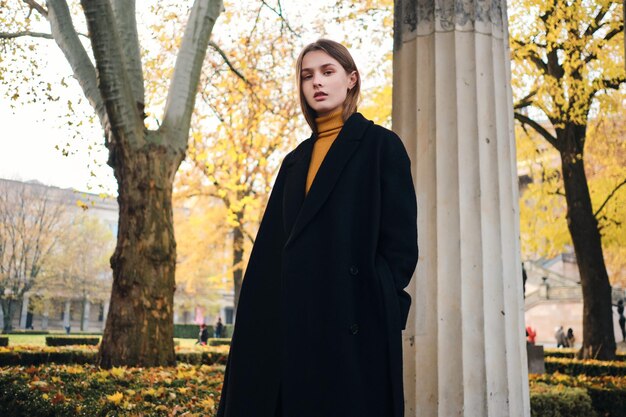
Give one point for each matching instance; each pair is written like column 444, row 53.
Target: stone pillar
column 464, row 345
column 24, row 312
column 46, row 316
column 66, row 313
column 86, row 311
column 105, row 314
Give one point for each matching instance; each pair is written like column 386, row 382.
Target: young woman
column 336, row 248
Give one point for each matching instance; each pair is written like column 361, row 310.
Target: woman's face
column 324, row 82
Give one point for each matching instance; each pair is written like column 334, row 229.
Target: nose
column 317, row 80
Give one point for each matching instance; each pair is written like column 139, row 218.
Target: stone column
column 66, row 313
column 24, row 312
column 105, row 313
column 86, row 312
column 464, row 345
column 46, row 316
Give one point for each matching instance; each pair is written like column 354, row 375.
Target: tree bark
column 598, row 336
column 140, row 330
column 7, row 311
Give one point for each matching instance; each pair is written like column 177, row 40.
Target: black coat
column 322, row 304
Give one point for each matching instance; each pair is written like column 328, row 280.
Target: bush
column 191, row 331
column 23, row 331
column 560, row 401
column 587, row 367
column 22, row 355
column 71, row 340
column 30, row 355
column 214, row 341
column 607, row 393
column 188, row 331
column 4, row 340
column 571, row 354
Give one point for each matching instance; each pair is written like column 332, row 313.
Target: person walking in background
column 531, row 335
column 570, row 337
column 203, row 335
column 561, row 339
column 219, row 328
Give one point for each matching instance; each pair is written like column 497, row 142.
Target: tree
column 79, row 263
column 31, row 222
column 139, row 328
column 203, row 256
column 246, row 120
column 567, row 61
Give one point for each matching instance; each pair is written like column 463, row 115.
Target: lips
column 319, row 95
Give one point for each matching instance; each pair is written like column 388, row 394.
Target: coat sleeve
column 397, row 242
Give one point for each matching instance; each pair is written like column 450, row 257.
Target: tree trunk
column 7, row 311
column 238, row 252
column 598, row 336
column 139, row 328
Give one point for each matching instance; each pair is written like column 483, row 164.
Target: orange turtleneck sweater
column 328, row 128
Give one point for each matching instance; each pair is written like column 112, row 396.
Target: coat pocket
column 392, row 304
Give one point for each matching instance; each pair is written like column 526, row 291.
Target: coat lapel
column 295, row 183
column 329, row 172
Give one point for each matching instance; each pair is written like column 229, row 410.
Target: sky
column 29, row 137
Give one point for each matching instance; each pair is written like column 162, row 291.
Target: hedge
column 31, row 332
column 587, row 367
column 191, row 331
column 214, row 341
column 607, row 393
column 560, row 401
column 571, row 354
column 4, row 340
column 71, row 340
column 30, row 355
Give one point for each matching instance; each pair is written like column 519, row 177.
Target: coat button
column 354, row 270
column 354, row 329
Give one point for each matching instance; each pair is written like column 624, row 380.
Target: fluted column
column 24, row 312
column 464, row 345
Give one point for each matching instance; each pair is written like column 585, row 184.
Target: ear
column 352, row 79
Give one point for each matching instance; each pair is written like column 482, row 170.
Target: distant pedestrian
column 561, row 339
column 219, row 328
column 531, row 335
column 570, row 337
column 203, row 335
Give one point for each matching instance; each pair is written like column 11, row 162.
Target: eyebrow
column 330, row 64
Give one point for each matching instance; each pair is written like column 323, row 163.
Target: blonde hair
column 340, row 53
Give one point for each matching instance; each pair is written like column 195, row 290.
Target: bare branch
column 279, row 13
column 36, row 6
column 608, row 198
column 538, row 128
column 7, row 35
column 184, row 86
column 227, row 61
column 526, row 101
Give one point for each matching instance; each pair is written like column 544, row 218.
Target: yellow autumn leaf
column 115, row 398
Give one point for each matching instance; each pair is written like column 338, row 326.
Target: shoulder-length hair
column 340, row 53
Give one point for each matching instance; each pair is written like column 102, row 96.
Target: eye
column 306, row 76
column 327, row 72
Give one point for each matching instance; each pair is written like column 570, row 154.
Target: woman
column 336, row 248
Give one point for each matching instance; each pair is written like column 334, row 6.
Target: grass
column 40, row 340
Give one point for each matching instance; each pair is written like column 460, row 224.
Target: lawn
column 40, row 339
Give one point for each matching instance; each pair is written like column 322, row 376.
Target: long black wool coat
column 318, row 328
